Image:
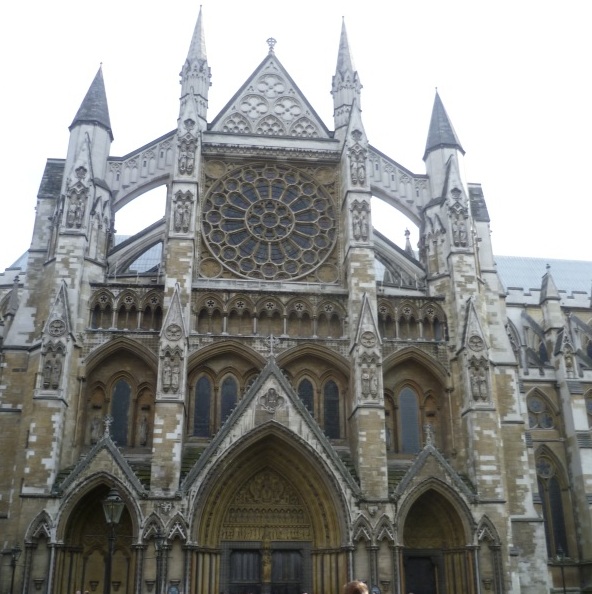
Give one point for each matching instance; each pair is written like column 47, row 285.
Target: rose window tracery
column 269, row 223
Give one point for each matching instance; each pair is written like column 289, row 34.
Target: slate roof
column 519, row 272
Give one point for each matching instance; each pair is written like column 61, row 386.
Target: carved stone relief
column 183, row 209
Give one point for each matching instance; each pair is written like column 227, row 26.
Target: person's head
column 355, row 587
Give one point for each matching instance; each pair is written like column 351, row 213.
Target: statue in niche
column 167, row 374
column 357, row 225
column 175, row 376
column 569, row 363
column 185, row 217
column 479, row 388
column 56, row 372
column 266, row 562
column 47, row 369
column 75, row 212
column 373, row 382
column 365, row 383
column 95, row 429
column 357, row 162
column 178, row 218
column 186, row 158
column 143, row 431
column 459, row 231
column 462, row 233
column 364, row 225
column 474, row 379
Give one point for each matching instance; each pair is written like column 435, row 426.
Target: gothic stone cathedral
column 284, row 399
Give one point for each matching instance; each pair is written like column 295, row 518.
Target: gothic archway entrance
column 277, row 524
column 436, row 557
column 82, row 559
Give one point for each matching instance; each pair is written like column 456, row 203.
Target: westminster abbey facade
column 281, row 397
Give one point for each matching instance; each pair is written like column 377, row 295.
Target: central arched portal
column 270, row 523
column 436, row 557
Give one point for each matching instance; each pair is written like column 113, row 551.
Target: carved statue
column 266, row 562
column 357, row 228
column 143, row 431
column 166, row 375
column 95, row 430
column 56, row 373
column 178, row 218
column 365, row 383
column 175, row 375
column 47, row 369
column 373, row 383
column 364, row 225
column 186, row 216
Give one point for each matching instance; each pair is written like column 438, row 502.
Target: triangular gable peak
column 430, row 464
column 58, row 322
column 270, row 104
column 367, row 334
column 174, row 329
column 473, row 336
column 104, row 454
column 271, row 400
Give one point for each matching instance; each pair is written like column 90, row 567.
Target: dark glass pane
column 409, row 421
column 331, row 404
column 557, row 517
column 120, row 412
column 305, row 391
column 229, row 395
column 203, row 399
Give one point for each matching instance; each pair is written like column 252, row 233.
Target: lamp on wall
column 113, row 506
column 15, row 554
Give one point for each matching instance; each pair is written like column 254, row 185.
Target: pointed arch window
column 120, row 404
column 331, row 410
column 201, row 411
column 306, row 394
column 229, row 395
column 540, row 416
column 552, row 495
column 409, row 421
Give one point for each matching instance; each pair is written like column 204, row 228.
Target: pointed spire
column 345, row 61
column 346, row 84
column 549, row 289
column 408, row 248
column 441, row 133
column 197, row 49
column 195, row 74
column 94, row 109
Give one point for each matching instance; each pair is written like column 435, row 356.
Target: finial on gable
column 271, row 43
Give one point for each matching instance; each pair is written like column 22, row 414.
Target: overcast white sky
column 514, row 76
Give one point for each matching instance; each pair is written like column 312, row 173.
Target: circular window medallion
column 368, row 339
column 476, row 343
column 173, row 332
column 57, row 328
column 270, row 223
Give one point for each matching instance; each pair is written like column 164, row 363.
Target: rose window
column 271, row 223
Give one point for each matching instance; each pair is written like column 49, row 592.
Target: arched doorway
column 82, row 559
column 270, row 522
column 436, row 557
